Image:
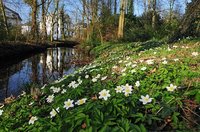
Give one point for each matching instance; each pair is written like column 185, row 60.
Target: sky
column 72, row 6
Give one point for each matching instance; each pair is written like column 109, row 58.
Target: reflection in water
column 41, row 69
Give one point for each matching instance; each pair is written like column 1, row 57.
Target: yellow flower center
column 68, row 103
column 171, row 88
column 81, row 102
column 104, row 94
column 146, row 99
column 127, row 90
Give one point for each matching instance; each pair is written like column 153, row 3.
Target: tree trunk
column 94, row 6
column 62, row 23
column 84, row 11
column 34, row 31
column 145, row 6
column 44, row 29
column 115, row 7
column 149, row 5
column 154, row 15
column 171, row 6
column 4, row 17
column 57, row 19
column 52, row 28
column 121, row 19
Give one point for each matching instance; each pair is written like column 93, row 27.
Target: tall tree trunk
column 171, row 6
column 52, row 28
column 115, row 7
column 110, row 6
column 154, row 15
column 57, row 18
column 121, row 19
column 84, row 11
column 4, row 17
column 44, row 29
column 34, row 31
column 94, row 9
column 145, row 6
column 62, row 23
column 83, row 15
column 149, row 5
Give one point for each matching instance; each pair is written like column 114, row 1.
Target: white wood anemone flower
column 104, row 94
column 50, row 98
column 137, row 83
column 54, row 112
column 81, row 101
column 68, row 104
column 94, row 79
column 171, row 88
column 56, row 90
column 1, row 112
column 119, row 89
column 32, row 120
column 143, row 68
column 86, row 76
column 127, row 89
column 145, row 99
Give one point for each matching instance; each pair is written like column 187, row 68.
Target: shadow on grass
column 149, row 45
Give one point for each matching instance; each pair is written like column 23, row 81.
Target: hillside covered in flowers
column 138, row 87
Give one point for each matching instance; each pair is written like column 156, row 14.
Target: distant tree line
column 111, row 20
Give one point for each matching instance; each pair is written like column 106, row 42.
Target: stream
column 38, row 69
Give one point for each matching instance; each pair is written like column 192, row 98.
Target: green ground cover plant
column 128, row 87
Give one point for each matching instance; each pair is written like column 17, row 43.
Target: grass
column 88, row 101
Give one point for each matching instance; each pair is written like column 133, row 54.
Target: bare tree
column 154, row 14
column 171, row 6
column 4, row 16
column 115, row 7
column 44, row 29
column 121, row 18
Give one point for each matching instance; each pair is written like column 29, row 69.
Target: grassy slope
column 121, row 64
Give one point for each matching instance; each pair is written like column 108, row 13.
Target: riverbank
column 147, row 86
column 11, row 52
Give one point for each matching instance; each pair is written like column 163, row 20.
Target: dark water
column 40, row 69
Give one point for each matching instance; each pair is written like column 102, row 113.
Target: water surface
column 39, row 69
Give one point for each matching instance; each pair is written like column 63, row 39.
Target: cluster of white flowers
column 70, row 103
column 150, row 62
column 75, row 84
column 94, row 79
column 164, row 62
column 126, row 89
column 195, row 53
column 55, row 89
column 176, row 59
